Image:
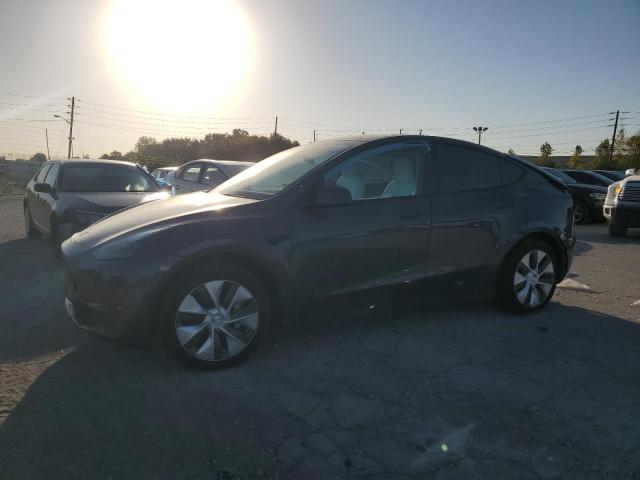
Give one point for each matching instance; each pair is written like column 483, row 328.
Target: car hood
column 109, row 202
column 585, row 188
column 157, row 214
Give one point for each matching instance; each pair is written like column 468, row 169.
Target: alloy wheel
column 217, row 320
column 578, row 213
column 534, row 278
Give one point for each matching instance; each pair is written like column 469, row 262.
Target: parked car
column 160, row 174
column 614, row 175
column 622, row 206
column 204, row 174
column 66, row 196
column 358, row 218
column 587, row 199
column 587, row 177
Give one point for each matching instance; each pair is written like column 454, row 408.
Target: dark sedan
column 587, row 177
column 66, row 196
column 359, row 218
column 588, row 199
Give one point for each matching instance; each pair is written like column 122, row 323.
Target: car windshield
column 274, row 174
column 561, row 175
column 105, row 178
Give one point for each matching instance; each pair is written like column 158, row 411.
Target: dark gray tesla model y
column 347, row 218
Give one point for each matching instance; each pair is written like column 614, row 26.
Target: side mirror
column 43, row 188
column 333, row 195
column 629, row 172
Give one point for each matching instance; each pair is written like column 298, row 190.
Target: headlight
column 598, row 196
column 123, row 246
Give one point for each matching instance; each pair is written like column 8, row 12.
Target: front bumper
column 110, row 299
column 624, row 214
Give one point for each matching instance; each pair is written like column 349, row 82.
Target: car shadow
column 465, row 390
column 32, row 318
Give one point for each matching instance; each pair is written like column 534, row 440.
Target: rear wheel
column 580, row 212
column 616, row 228
column 215, row 317
column 528, row 277
column 29, row 228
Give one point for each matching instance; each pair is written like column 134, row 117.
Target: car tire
column 580, row 212
column 527, row 278
column 199, row 321
column 617, row 229
column 54, row 238
column 29, row 228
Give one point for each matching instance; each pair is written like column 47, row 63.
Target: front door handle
column 410, row 216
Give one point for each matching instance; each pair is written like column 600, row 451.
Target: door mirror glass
column 42, row 188
column 333, row 195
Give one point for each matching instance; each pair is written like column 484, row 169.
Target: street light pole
column 480, row 130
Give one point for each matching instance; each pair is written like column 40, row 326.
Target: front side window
column 105, row 178
column 382, row 172
column 460, row 168
column 191, row 173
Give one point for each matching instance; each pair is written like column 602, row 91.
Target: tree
column 632, row 158
column 576, row 160
column 115, row 155
column 511, row 152
column 39, row 157
column 545, row 152
column 602, row 159
column 620, row 148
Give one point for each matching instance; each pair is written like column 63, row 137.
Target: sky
column 530, row 71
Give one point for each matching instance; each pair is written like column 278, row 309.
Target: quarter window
column 383, row 172
column 52, row 175
column 459, row 169
column 191, row 173
column 42, row 173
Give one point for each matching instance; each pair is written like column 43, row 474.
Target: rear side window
column 191, row 173
column 460, row 169
column 42, row 173
column 212, row 176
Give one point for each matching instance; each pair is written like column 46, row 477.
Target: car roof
column 92, row 161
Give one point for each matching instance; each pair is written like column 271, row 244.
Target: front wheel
column 527, row 279
column 616, row 228
column 580, row 213
column 215, row 317
column 29, row 228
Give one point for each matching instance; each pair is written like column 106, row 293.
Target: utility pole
column 314, row 135
column 46, row 134
column 613, row 139
column 400, row 131
column 275, row 130
column 420, row 132
column 480, row 130
column 73, row 105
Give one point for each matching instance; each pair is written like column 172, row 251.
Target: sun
column 179, row 55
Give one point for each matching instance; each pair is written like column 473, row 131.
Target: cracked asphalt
column 442, row 391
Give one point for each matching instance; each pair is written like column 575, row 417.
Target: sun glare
column 179, row 55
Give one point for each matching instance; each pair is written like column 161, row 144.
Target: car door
column 377, row 240
column 188, row 178
column 47, row 199
column 471, row 206
column 33, row 197
column 212, row 176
